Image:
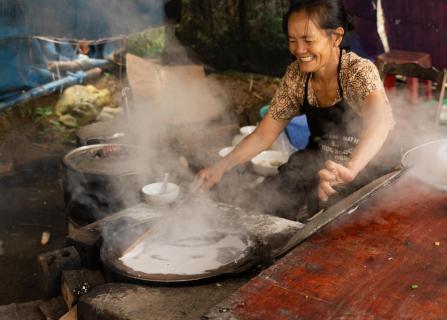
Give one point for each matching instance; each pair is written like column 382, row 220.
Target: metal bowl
column 428, row 163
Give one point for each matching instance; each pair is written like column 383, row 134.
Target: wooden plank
column 412, row 70
column 384, row 261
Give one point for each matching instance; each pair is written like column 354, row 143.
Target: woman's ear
column 338, row 36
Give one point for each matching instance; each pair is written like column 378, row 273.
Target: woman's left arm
column 378, row 121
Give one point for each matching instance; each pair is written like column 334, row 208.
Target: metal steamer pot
column 116, row 270
column 101, row 179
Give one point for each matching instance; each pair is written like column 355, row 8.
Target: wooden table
column 386, row 260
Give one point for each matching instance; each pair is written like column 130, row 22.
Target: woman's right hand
column 208, row 177
column 333, row 174
column 264, row 135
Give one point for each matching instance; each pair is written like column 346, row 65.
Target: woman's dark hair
column 329, row 14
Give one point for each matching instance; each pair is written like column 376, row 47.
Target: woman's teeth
column 306, row 59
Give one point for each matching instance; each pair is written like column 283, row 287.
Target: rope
column 58, row 74
column 76, row 41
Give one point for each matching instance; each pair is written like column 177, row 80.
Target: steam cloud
column 170, row 103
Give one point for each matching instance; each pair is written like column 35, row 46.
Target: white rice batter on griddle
column 187, row 255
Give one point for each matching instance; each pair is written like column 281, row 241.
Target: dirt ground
column 31, row 196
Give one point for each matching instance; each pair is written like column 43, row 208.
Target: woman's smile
column 310, row 44
column 306, row 58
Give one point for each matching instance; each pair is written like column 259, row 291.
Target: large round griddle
column 428, row 163
column 112, row 251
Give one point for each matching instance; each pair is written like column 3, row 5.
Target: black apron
column 334, row 130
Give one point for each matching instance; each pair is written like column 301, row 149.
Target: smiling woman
column 348, row 114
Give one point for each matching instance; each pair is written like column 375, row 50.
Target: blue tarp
column 24, row 55
column 79, row 19
column 23, row 61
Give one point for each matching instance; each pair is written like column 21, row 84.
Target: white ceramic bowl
column 236, row 139
column 152, row 195
column 225, row 151
column 246, row 130
column 267, row 162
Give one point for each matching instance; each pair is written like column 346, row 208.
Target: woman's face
column 310, row 44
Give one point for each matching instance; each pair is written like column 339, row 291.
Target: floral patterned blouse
column 359, row 77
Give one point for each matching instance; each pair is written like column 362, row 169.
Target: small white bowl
column 246, row 130
column 152, row 195
column 267, row 162
column 236, row 139
column 225, row 151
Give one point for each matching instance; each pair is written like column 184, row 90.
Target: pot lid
column 106, row 159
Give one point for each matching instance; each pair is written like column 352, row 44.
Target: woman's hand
column 263, row 137
column 377, row 123
column 331, row 175
column 208, row 177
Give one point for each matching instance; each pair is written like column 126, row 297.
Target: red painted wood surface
column 381, row 262
column 401, row 57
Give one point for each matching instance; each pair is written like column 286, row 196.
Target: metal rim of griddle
column 419, row 152
column 110, row 258
column 66, row 160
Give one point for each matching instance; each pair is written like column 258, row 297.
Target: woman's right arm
column 284, row 105
column 263, row 137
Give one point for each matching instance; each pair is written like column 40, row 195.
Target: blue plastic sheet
column 80, row 19
column 24, row 54
column 23, row 61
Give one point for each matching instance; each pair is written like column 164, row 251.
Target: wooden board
column 386, row 260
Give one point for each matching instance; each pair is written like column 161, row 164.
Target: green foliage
column 43, row 117
column 148, row 43
column 56, row 125
column 42, row 113
column 67, row 133
column 236, row 33
column 69, row 136
column 23, row 111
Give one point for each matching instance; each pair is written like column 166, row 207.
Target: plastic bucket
column 297, row 130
